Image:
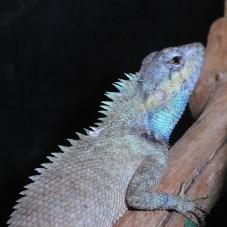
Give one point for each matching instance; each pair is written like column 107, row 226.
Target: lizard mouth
column 195, row 54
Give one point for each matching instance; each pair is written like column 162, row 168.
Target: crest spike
column 72, row 141
column 34, row 178
column 64, row 148
column 45, row 165
column 81, row 136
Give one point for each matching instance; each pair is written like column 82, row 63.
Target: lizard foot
column 190, row 209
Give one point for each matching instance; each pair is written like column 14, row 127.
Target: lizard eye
column 176, row 60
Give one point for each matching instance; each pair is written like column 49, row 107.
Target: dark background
column 57, row 58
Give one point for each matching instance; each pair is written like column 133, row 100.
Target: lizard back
column 86, row 184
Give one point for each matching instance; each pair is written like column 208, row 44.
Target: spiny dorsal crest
column 116, row 98
column 124, row 87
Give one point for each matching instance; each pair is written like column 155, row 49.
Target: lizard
column 115, row 165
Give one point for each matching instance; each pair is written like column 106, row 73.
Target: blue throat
column 163, row 119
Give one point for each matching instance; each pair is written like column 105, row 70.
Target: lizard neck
column 162, row 120
column 128, row 111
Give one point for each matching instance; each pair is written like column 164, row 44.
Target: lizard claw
column 182, row 190
column 202, row 211
column 196, row 198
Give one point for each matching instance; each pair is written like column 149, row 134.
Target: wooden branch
column 214, row 66
column 199, row 157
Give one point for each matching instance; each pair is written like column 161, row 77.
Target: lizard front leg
column 139, row 195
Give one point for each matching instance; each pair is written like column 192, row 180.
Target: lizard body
column 113, row 167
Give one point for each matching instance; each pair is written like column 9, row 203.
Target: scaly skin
column 115, row 166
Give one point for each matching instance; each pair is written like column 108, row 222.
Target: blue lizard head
column 168, row 78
